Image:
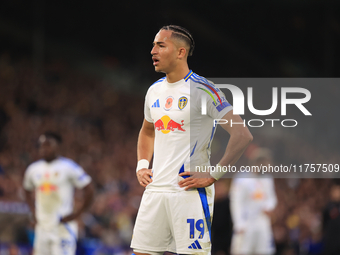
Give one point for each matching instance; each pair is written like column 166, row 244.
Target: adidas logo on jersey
column 155, row 104
column 195, row 245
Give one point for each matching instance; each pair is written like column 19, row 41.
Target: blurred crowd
column 99, row 126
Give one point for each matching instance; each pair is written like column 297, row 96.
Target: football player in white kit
column 252, row 200
column 52, row 180
column 175, row 214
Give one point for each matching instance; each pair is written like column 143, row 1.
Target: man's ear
column 182, row 52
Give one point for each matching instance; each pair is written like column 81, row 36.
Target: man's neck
column 49, row 160
column 177, row 74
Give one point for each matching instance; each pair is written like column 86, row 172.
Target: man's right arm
column 29, row 188
column 145, row 147
column 29, row 197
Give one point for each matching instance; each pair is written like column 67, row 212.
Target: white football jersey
column 249, row 198
column 183, row 135
column 54, row 184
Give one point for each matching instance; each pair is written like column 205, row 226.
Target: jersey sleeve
column 79, row 177
column 217, row 104
column 28, row 182
column 147, row 112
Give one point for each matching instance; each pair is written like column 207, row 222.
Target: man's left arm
column 240, row 138
column 271, row 201
column 88, row 192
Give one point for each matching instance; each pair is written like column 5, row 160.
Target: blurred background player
column 176, row 209
column 252, row 200
column 52, row 180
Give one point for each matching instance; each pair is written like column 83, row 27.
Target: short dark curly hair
column 53, row 135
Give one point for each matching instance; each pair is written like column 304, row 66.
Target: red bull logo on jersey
column 166, row 125
column 258, row 195
column 47, row 187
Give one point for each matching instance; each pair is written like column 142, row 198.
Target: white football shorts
column 60, row 241
column 178, row 222
column 257, row 239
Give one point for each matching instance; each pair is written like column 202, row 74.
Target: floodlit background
column 82, row 68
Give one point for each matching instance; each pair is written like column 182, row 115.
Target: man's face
column 164, row 52
column 47, row 147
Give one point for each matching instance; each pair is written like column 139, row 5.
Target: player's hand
column 196, row 180
column 33, row 219
column 70, row 217
column 268, row 213
column 144, row 177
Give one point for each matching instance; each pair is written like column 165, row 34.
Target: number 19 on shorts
column 199, row 226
